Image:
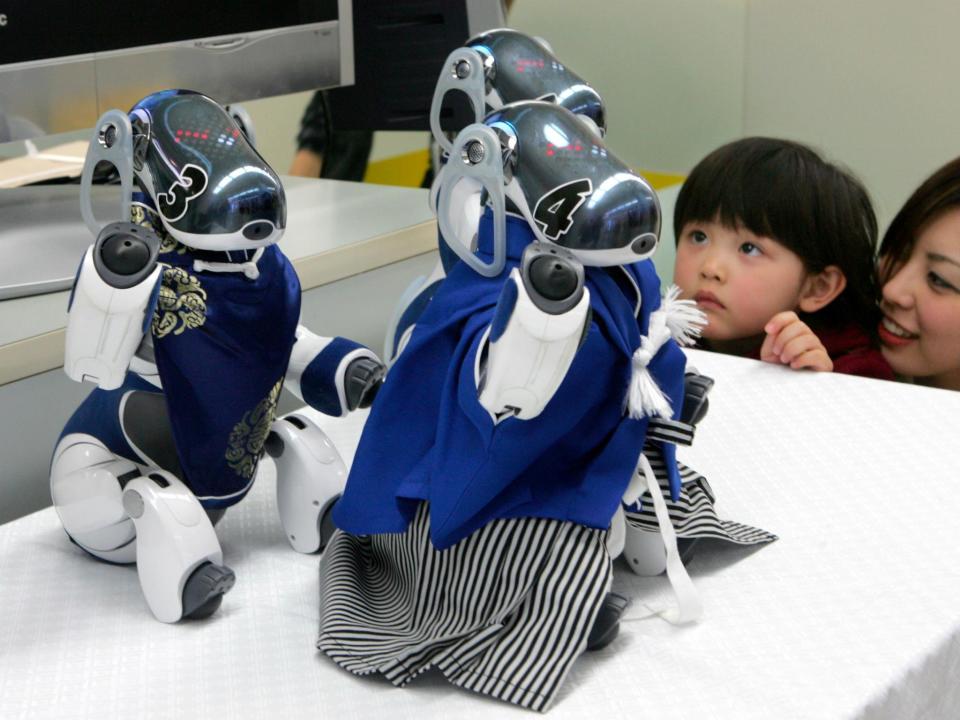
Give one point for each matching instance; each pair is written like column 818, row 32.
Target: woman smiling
column 920, row 277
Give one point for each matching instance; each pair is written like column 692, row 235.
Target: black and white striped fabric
column 504, row 612
column 693, row 514
column 671, row 431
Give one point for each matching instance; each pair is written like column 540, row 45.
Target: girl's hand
column 791, row 342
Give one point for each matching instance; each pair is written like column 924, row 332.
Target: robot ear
column 140, row 127
column 476, row 158
column 466, row 70
column 507, row 137
column 590, row 123
column 242, row 118
column 544, row 44
column 112, row 143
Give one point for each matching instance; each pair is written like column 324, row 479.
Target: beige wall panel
column 869, row 82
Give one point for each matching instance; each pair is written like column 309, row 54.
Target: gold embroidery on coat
column 148, row 218
column 181, row 304
column 248, row 435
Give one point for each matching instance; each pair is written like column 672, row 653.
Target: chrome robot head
column 538, row 160
column 503, row 66
column 211, row 188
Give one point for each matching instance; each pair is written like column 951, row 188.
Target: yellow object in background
column 405, row 170
column 659, row 180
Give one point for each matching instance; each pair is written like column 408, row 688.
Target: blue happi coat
column 222, row 342
column 429, row 439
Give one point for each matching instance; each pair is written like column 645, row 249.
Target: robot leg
column 644, row 551
column 606, row 625
column 179, row 561
column 114, row 513
column 86, row 484
column 540, row 323
column 310, row 479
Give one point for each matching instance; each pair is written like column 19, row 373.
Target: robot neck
column 173, row 252
column 519, row 235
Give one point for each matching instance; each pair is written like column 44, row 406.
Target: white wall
column 872, row 83
column 669, row 71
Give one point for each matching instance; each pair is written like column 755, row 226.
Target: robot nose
column 644, row 244
column 258, row 230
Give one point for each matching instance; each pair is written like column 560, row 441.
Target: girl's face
column 920, row 329
column 740, row 280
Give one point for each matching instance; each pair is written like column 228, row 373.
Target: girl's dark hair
column 786, row 191
column 939, row 193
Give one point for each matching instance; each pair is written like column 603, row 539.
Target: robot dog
column 185, row 314
column 476, row 520
column 492, row 69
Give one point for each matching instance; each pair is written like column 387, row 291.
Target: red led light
column 522, row 64
column 549, row 152
column 179, row 132
column 578, row 148
column 177, row 139
column 236, row 133
column 204, row 137
column 196, row 134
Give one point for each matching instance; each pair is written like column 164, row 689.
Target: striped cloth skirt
column 693, row 514
column 504, row 612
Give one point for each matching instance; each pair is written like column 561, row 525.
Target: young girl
column 920, row 274
column 777, row 248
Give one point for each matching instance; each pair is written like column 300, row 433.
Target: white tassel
column 683, row 318
column 645, row 398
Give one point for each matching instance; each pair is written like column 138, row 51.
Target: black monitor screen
column 399, row 48
column 80, row 27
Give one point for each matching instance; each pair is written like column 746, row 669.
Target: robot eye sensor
column 107, row 135
column 473, row 152
column 461, row 69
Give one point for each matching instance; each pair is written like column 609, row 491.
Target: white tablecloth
column 854, row 612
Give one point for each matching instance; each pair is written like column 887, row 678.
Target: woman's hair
column 939, row 193
column 786, row 191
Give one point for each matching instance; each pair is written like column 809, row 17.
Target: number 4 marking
column 554, row 211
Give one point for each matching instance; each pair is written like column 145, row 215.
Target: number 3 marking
column 191, row 183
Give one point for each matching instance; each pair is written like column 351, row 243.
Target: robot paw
column 695, row 401
column 606, row 626
column 362, row 380
column 204, row 590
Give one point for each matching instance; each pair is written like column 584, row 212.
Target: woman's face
column 920, row 328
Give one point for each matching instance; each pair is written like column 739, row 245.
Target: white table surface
column 854, row 612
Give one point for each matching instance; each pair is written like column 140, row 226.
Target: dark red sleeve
column 853, row 354
column 865, row 362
